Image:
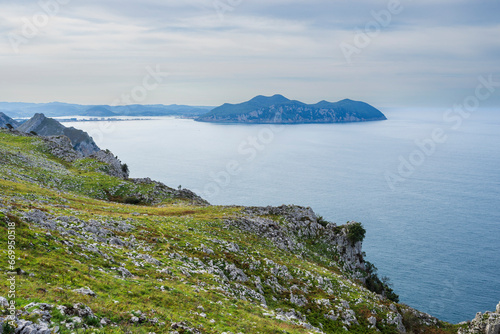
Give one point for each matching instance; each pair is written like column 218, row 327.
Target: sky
column 395, row 53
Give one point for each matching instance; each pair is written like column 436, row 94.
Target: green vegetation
column 168, row 261
column 125, row 168
column 356, row 233
column 378, row 285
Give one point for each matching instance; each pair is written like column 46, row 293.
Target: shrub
column 412, row 323
column 132, row 200
column 320, row 220
column 377, row 285
column 125, row 168
column 92, row 321
column 8, row 329
column 356, row 232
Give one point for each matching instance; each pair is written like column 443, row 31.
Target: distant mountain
column 4, row 120
column 100, row 111
column 279, row 109
column 44, row 126
column 53, row 109
column 57, row 109
column 160, row 110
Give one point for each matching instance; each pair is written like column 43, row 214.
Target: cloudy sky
column 416, row 54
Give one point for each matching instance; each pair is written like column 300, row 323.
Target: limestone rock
column 43, row 126
column 115, row 166
column 236, row 274
column 85, row 291
column 298, row 300
column 124, row 272
column 484, row 323
column 61, row 147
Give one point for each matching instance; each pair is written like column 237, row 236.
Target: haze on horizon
column 423, row 54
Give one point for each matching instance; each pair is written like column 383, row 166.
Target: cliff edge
column 94, row 252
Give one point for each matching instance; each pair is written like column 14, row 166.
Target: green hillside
column 99, row 254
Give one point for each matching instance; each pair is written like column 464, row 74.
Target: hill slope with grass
column 93, row 253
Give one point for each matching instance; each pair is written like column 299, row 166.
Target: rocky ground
column 487, row 323
column 88, row 261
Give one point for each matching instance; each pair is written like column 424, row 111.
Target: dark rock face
column 4, row 120
column 44, row 126
column 278, row 109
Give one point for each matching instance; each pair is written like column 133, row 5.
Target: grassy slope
column 173, row 233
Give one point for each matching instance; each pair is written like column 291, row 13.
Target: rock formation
column 483, row 323
column 44, row 126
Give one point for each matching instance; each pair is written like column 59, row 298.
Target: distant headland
column 279, row 109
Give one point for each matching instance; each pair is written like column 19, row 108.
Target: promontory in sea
column 279, row 109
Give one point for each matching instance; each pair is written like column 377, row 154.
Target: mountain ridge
column 58, row 109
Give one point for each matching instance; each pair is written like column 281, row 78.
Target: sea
column 425, row 184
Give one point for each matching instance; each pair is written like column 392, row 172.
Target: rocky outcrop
column 61, row 147
column 74, row 314
column 115, row 166
column 483, row 323
column 301, row 224
column 160, row 190
column 43, row 126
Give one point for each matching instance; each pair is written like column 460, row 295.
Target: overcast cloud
column 91, row 52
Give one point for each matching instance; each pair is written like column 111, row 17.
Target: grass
column 172, row 231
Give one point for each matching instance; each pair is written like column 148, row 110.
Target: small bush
column 125, row 168
column 57, row 315
column 412, row 323
column 8, row 329
column 92, row 321
column 320, row 220
column 132, row 200
column 356, row 232
column 377, row 285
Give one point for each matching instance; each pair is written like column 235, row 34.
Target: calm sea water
column 434, row 228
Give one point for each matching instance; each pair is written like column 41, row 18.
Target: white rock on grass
column 85, row 291
column 4, row 302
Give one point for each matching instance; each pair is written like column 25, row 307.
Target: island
column 279, row 109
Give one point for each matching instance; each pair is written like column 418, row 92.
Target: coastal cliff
column 101, row 253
